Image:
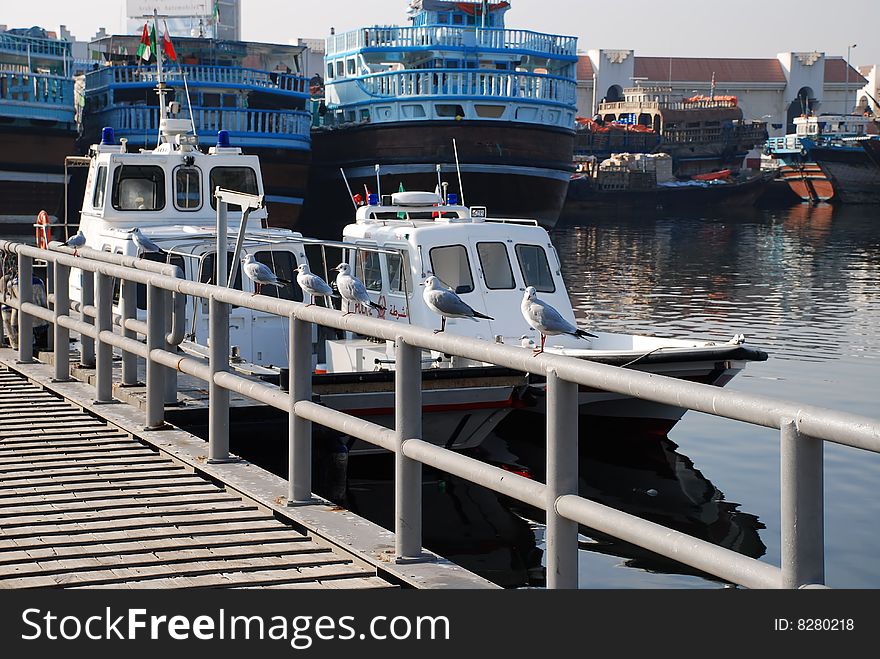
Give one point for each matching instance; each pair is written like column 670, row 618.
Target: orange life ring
column 43, row 230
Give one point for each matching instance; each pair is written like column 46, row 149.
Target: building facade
column 774, row 90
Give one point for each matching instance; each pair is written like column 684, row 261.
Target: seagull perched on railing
column 261, row 274
column 76, row 241
column 144, row 244
column 447, row 304
column 312, row 284
column 544, row 318
column 352, row 289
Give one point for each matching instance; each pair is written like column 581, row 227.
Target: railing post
column 87, row 343
column 218, row 397
column 103, row 350
column 128, row 311
column 562, row 478
column 61, row 338
column 50, row 290
column 170, row 373
column 155, row 372
column 802, row 507
column 299, row 475
column 407, row 472
column 25, row 321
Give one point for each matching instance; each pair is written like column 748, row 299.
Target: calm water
column 800, row 283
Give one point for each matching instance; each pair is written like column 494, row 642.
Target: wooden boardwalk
column 84, row 504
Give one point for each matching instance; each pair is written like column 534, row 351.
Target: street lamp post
column 846, row 91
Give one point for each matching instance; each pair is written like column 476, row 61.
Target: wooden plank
column 82, row 428
column 219, row 503
column 113, row 459
column 60, row 500
column 86, row 445
column 250, row 525
column 92, row 485
column 157, row 465
column 77, row 527
column 246, row 544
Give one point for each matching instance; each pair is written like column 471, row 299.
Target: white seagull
column 544, row 318
column 76, row 241
column 447, row 304
column 352, row 289
column 312, row 284
column 144, row 244
column 261, row 274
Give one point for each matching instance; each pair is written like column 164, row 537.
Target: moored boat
column 488, row 262
column 455, row 92
column 823, row 160
column 255, row 92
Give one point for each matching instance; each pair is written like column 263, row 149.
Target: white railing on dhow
column 802, row 429
column 471, row 83
column 445, row 36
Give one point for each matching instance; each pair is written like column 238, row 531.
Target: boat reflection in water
column 502, row 539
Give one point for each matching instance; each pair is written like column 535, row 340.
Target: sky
column 675, row 28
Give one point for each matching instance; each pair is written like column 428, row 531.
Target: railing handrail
column 802, row 428
column 199, row 74
column 438, row 35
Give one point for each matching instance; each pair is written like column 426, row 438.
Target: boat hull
column 515, row 170
column 808, row 181
column 32, row 170
column 853, row 173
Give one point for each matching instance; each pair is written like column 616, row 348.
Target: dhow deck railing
column 802, row 430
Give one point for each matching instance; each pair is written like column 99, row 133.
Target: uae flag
column 145, row 48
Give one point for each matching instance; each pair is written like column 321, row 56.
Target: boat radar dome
column 107, row 135
column 223, row 138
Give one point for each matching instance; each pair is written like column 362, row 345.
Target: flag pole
column 160, row 83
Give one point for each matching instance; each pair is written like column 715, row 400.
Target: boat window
column 283, row 264
column 339, row 69
column 330, row 71
column 448, row 110
column 208, row 270
column 187, row 188
column 397, row 279
column 349, row 63
column 451, row 265
column 139, row 187
column 489, row 111
column 239, row 179
column 368, row 270
column 535, row 268
column 173, row 259
column 100, row 187
column 496, row 265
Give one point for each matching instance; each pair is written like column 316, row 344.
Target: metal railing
column 19, row 43
column 802, row 429
column 198, row 75
column 445, row 36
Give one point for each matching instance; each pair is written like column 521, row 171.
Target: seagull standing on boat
column 312, row 284
column 144, row 244
column 261, row 274
column 544, row 318
column 76, row 241
column 352, row 289
column 447, row 304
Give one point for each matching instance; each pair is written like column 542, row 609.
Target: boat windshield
column 451, row 265
column 535, row 268
column 240, row 179
column 139, row 187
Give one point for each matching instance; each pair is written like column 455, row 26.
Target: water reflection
column 792, row 280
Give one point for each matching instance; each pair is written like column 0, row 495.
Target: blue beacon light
column 373, row 199
column 223, row 138
column 452, row 199
column 107, row 135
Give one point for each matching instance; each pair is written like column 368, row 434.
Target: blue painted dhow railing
column 801, row 429
column 34, row 45
column 291, row 125
column 197, row 75
column 444, row 36
column 470, row 83
column 36, row 96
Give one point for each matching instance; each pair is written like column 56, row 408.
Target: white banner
column 137, row 8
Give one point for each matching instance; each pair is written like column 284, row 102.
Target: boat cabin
column 488, row 262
